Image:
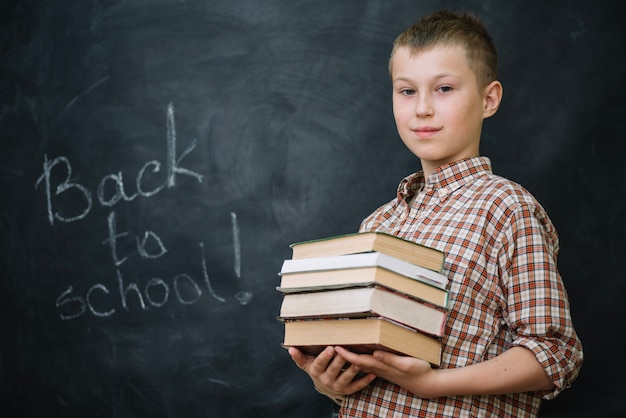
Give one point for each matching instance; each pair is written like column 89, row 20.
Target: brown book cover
column 363, row 335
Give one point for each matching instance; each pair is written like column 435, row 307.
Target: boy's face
column 438, row 105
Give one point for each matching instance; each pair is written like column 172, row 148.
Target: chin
column 430, row 156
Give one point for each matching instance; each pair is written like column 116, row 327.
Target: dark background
column 284, row 109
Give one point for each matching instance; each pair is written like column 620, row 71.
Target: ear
column 492, row 96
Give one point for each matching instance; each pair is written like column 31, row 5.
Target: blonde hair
column 453, row 29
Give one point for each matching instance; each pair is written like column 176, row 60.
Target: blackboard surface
column 157, row 158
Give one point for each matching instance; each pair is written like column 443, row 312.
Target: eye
column 444, row 89
column 407, row 92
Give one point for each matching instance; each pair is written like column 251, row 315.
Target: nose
column 423, row 106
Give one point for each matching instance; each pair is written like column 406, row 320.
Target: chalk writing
column 127, row 295
column 172, row 169
column 242, row 297
column 62, row 188
column 236, row 245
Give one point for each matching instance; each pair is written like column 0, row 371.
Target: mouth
column 425, row 131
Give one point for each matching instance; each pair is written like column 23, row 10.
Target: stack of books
column 365, row 291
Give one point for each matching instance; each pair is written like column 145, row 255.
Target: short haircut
column 454, row 29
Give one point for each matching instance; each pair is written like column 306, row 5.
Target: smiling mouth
column 426, row 132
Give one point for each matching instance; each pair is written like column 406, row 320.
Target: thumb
column 297, row 356
column 390, row 359
column 401, row 362
column 383, row 356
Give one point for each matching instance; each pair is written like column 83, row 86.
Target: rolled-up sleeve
column 538, row 310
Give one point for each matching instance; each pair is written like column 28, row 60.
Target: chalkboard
column 158, row 157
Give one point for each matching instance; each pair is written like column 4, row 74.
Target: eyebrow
column 437, row 77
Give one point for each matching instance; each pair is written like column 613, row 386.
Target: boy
column 509, row 339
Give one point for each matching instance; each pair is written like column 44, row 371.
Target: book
column 361, row 335
column 311, row 281
column 365, row 302
column 371, row 259
column 361, row 242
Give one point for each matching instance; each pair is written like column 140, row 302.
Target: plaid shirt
column 505, row 289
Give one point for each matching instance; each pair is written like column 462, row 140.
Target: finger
column 350, row 373
column 383, row 356
column 391, row 359
column 359, row 382
column 366, row 362
column 348, row 355
column 337, row 366
column 402, row 363
column 360, row 360
column 348, row 380
column 295, row 353
column 301, row 360
column 322, row 361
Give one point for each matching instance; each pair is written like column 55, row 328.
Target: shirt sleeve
column 538, row 311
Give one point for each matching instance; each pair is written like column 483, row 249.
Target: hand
column 331, row 374
column 415, row 375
